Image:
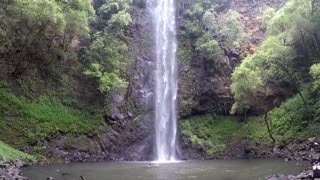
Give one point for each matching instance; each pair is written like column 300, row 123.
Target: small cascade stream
column 164, row 19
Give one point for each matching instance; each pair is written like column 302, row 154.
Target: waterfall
column 166, row 79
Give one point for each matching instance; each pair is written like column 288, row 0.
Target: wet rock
column 4, row 174
column 305, row 175
column 291, row 177
column 12, row 170
column 19, row 163
column 117, row 98
column 115, row 114
column 276, row 177
column 18, row 177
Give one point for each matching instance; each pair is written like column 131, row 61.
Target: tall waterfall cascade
column 166, row 78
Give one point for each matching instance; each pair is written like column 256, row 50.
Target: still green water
column 185, row 170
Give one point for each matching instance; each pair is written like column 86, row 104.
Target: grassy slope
column 8, row 153
column 23, row 122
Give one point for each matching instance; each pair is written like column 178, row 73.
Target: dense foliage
column 206, row 30
column 107, row 53
column 285, row 57
column 48, row 50
column 35, row 34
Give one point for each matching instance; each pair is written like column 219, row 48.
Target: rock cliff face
column 200, row 92
column 128, row 140
column 129, row 135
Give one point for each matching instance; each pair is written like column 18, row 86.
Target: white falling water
column 166, row 79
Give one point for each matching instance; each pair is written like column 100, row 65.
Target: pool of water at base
column 183, row 170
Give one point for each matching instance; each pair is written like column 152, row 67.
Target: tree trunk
column 304, row 101
column 268, row 127
column 245, row 116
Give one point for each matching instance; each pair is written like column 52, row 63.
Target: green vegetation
column 205, row 28
column 36, row 33
column 59, row 61
column 285, row 57
column 41, row 36
column 108, row 52
column 291, row 122
column 23, row 122
column 210, row 133
column 8, row 153
column 268, row 14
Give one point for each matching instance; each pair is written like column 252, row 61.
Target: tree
column 282, row 60
column 296, row 23
column 33, row 31
column 251, row 89
column 107, row 80
column 31, row 28
column 107, row 52
column 209, row 48
column 209, row 21
column 232, row 29
column 77, row 14
column 228, row 28
column 114, row 15
column 268, row 14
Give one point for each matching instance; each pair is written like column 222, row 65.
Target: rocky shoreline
column 11, row 170
column 245, row 149
column 305, row 175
